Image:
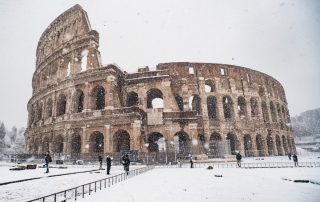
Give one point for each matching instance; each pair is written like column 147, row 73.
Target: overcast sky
column 279, row 38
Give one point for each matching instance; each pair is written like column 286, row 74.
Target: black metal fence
column 88, row 188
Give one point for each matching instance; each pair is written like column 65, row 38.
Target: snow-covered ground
column 32, row 189
column 199, row 184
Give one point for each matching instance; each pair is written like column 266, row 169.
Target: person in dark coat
column 47, row 159
column 191, row 161
column 238, row 157
column 289, row 156
column 100, row 162
column 126, row 163
column 295, row 159
column 108, row 164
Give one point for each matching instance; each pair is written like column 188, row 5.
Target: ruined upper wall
column 70, row 24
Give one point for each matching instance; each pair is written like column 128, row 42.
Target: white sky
column 279, row 38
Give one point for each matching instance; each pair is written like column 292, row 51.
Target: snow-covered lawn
column 199, row 184
column 32, row 189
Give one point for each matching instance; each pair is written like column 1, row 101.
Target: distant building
column 309, row 143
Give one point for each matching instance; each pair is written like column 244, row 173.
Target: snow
column 200, row 184
column 32, row 189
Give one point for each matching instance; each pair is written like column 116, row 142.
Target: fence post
column 75, row 194
column 89, row 188
column 82, row 191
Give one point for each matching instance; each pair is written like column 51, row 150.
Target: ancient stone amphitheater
column 81, row 108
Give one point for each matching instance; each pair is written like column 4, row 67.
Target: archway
column 212, row 108
column 61, row 105
column 270, row 144
column 247, row 145
column 259, row 144
column 214, row 140
column 154, row 98
column 121, row 141
column 76, row 144
column 242, row 107
column 209, row 86
column 254, row 107
column 184, row 143
column 96, row 142
column 265, row 111
column 227, row 107
column 234, row 142
column 78, row 101
column 133, row 99
column 195, row 103
column 98, row 98
column 273, row 112
column 278, row 144
column 179, row 101
column 153, row 139
column 49, row 108
column 58, row 144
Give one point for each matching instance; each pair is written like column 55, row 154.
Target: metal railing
column 245, row 165
column 88, row 188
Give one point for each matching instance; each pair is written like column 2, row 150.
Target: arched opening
column 259, row 144
column 254, row 107
column 212, row 108
column 283, row 114
column 38, row 112
column 201, row 143
column 278, row 144
column 270, row 144
column 45, row 144
column 209, row 86
column 96, row 142
column 284, row 143
column 98, row 98
column 184, row 143
column 227, row 107
column 154, row 98
column 261, row 91
column 247, row 145
column 265, row 111
column 195, row 103
column 273, row 112
column 62, row 104
column 234, row 142
column 214, row 140
column 49, row 108
column 133, row 99
column 76, row 144
column 154, row 144
column 58, row 144
column 179, row 101
column 121, row 141
column 242, row 107
column 78, row 101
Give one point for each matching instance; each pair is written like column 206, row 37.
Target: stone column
column 84, row 141
column 136, row 125
column 248, row 103
column 254, row 146
column 108, row 147
column 220, row 108
column 87, row 95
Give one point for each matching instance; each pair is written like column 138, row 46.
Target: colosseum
column 82, row 108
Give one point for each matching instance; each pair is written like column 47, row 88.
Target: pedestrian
column 126, row 163
column 289, row 156
column 47, row 159
column 100, row 162
column 238, row 157
column 108, row 164
column 295, row 159
column 191, row 161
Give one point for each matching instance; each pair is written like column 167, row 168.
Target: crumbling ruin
column 80, row 107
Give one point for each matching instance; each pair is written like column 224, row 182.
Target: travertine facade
column 79, row 106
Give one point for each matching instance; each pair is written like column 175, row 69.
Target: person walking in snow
column 126, row 163
column 295, row 159
column 238, row 157
column 100, row 161
column 47, row 159
column 108, row 164
column 289, row 156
